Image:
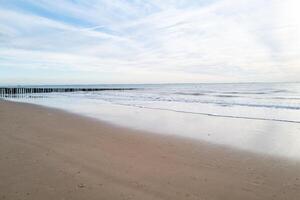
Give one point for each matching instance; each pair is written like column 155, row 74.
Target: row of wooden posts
column 8, row 92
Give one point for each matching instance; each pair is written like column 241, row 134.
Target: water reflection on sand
column 268, row 137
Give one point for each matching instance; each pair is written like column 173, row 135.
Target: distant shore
column 50, row 154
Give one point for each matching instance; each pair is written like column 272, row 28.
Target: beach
column 51, row 154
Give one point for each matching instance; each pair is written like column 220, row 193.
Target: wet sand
column 50, row 154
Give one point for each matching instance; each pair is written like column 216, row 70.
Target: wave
column 205, row 94
column 256, row 105
column 209, row 92
column 191, row 93
column 238, row 95
column 214, row 102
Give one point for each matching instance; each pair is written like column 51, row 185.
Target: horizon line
column 170, row 83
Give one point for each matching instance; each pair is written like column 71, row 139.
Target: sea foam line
column 210, row 114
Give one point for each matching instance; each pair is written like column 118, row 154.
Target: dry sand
column 50, row 154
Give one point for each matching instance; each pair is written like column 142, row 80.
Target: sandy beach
column 50, row 154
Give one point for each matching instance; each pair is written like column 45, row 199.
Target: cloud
column 156, row 41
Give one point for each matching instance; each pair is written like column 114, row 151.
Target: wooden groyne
column 8, row 92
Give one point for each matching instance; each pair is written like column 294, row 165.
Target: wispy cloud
column 155, row 41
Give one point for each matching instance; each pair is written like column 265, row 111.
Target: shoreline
column 51, row 154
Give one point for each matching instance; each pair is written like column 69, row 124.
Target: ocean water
column 258, row 117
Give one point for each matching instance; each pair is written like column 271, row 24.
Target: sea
column 258, row 117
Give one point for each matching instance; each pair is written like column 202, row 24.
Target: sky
column 158, row 41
